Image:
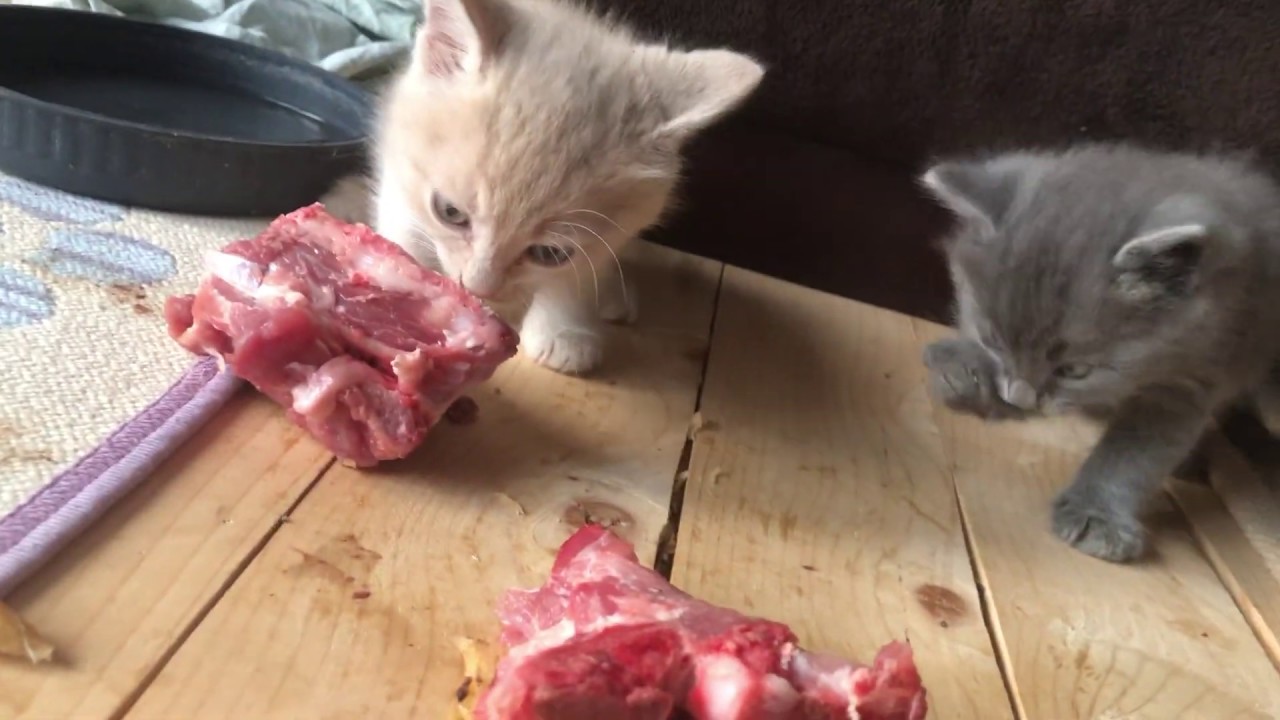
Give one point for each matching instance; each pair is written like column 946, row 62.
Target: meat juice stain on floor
column 942, row 604
column 341, row 560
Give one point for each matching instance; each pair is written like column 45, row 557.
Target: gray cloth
column 355, row 38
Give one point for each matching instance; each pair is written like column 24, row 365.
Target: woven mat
column 93, row 392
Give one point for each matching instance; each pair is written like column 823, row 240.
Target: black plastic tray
column 153, row 116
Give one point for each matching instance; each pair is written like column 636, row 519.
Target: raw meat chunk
column 364, row 347
column 606, row 637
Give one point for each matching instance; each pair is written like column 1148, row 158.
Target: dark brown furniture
column 813, row 181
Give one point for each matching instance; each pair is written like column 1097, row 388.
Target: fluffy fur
column 526, row 143
column 1137, row 287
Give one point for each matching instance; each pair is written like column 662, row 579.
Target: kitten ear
column 699, row 87
column 457, row 36
column 982, row 192
column 1162, row 259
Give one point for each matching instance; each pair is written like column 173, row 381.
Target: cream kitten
column 526, row 143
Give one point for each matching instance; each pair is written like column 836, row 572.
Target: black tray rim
column 336, row 82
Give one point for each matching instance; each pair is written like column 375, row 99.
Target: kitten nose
column 481, row 285
column 481, row 291
column 1019, row 394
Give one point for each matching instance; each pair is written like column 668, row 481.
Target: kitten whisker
column 622, row 276
column 421, row 237
column 600, row 215
column 577, row 271
column 595, row 276
column 577, row 277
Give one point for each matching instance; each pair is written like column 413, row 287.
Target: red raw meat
column 364, row 347
column 606, row 637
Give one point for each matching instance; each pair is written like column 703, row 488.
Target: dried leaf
column 477, row 671
column 21, row 641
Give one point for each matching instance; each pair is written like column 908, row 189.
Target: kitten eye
column 548, row 255
column 1073, row 371
column 447, row 212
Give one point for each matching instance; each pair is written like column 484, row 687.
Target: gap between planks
column 204, row 611
column 1236, row 520
column 989, row 616
column 819, row 495
column 154, row 560
column 669, row 540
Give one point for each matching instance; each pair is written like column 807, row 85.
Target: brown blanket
column 900, row 81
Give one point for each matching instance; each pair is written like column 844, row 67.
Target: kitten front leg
column 963, row 375
column 561, row 330
column 1100, row 512
column 618, row 301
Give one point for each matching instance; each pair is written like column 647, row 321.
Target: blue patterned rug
column 93, row 392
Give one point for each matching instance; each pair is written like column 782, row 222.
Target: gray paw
column 962, row 376
column 1095, row 530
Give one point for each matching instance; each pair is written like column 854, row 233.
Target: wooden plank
column 120, row 597
column 351, row 609
column 818, row 493
column 1083, row 638
column 1252, row 495
column 1238, row 527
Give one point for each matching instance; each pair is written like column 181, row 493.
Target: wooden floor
column 252, row 577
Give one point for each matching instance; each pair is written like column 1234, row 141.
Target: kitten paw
column 962, row 377
column 572, row 352
column 620, row 308
column 1097, row 531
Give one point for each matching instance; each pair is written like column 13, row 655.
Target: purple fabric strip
column 42, row 525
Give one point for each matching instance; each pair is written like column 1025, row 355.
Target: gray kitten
column 1135, row 287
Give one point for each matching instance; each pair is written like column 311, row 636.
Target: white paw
column 618, row 310
column 619, row 306
column 573, row 352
